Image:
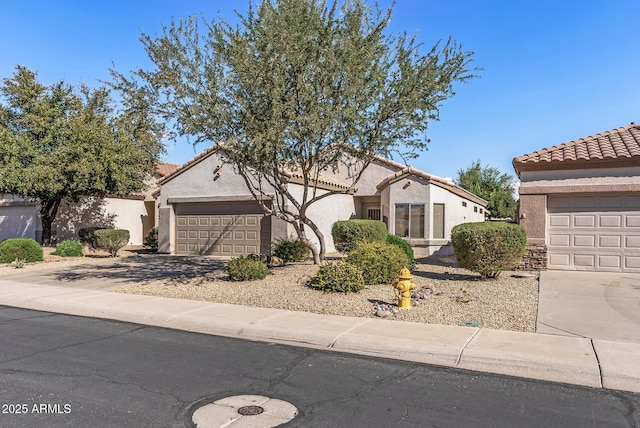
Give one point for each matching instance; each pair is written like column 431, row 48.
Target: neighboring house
column 580, row 202
column 206, row 208
column 18, row 217
column 135, row 213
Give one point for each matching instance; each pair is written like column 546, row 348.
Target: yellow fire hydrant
column 404, row 287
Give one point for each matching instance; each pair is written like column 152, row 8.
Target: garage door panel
column 584, row 241
column 560, row 240
column 610, row 220
column 632, row 221
column 632, row 202
column 228, row 229
column 609, row 261
column 632, row 262
column 605, row 241
column 602, row 233
column 584, row 221
column 560, row 259
column 584, row 260
column 632, row 242
column 560, row 220
column 584, row 202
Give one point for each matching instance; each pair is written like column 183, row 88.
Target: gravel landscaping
column 445, row 294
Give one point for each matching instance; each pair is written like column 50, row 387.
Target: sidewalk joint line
column 465, row 347
column 333, row 342
column 597, row 361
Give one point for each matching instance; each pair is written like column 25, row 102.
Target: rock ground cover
column 445, row 294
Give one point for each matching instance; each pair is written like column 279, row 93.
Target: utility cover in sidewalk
column 244, row 410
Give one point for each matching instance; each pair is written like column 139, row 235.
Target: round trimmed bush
column 380, row 262
column 68, row 249
column 111, row 240
column 405, row 246
column 340, row 277
column 291, row 250
column 20, row 249
column 488, row 247
column 246, row 269
column 347, row 234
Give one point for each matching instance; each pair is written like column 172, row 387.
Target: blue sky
column 554, row 70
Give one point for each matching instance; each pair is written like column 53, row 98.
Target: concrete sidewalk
column 575, row 360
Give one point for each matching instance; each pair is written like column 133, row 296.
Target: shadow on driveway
column 106, row 273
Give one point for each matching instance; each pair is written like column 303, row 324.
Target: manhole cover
column 250, row 410
column 263, row 412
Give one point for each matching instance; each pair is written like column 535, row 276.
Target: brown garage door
column 594, row 232
column 222, row 229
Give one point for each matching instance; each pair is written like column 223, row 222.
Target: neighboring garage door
column 222, row 228
column 17, row 222
column 594, row 232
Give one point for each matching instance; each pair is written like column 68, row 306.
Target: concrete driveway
column 106, row 273
column 594, row 305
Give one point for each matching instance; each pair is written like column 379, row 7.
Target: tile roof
column 433, row 179
column 619, row 143
column 163, row 169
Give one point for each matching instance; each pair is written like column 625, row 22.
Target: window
column 410, row 220
column 475, row 209
column 464, row 203
column 373, row 213
column 438, row 221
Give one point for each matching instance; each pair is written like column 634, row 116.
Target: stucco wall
column 324, row 213
column 128, row 214
column 533, row 217
column 201, row 180
column 454, row 211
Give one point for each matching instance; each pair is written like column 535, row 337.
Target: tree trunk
column 48, row 213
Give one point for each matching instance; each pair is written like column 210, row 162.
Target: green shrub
column 87, row 235
column 347, row 234
column 380, row 262
column 341, row 277
column 405, row 246
column 291, row 250
column 246, row 269
column 68, row 249
column 23, row 249
column 111, row 240
column 487, row 247
column 151, row 240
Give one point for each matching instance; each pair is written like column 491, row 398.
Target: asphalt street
column 60, row 370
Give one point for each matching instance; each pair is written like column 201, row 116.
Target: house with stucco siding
column 205, row 207
column 20, row 217
column 580, row 202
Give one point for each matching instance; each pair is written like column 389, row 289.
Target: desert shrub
column 87, row 235
column 488, row 248
column 340, row 277
column 380, row 262
column 111, row 240
column 405, row 246
column 151, row 240
column 24, row 249
column 347, row 234
column 68, row 249
column 246, row 269
column 291, row 250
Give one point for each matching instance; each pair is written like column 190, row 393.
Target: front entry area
column 222, row 228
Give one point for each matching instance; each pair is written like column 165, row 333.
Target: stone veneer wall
column 535, row 258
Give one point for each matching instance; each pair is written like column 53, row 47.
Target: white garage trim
column 597, row 232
